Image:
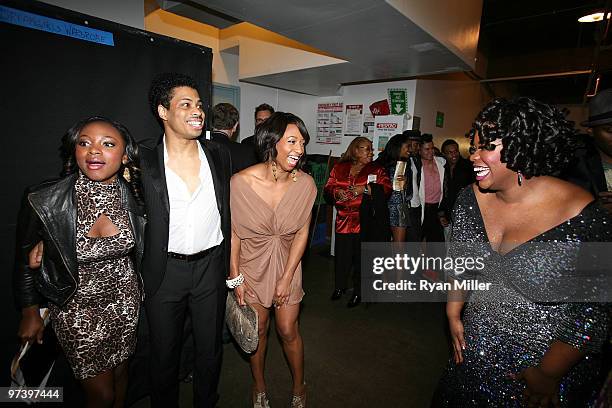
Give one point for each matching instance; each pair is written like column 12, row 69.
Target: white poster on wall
column 368, row 124
column 354, row 120
column 385, row 127
column 329, row 123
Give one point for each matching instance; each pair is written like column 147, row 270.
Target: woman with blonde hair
column 348, row 181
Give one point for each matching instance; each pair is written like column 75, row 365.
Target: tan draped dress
column 266, row 234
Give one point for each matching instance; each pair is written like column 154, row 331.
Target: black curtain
column 51, row 81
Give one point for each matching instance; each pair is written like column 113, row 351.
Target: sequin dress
column 508, row 336
column 97, row 326
column 398, row 197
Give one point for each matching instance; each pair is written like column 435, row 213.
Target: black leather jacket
column 48, row 213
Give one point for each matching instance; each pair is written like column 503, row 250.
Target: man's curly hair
column 162, row 89
column 537, row 140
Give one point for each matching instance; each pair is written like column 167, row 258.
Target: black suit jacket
column 250, row 141
column 158, row 208
column 243, row 156
column 586, row 169
column 462, row 177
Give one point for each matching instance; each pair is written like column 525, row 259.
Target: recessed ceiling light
column 593, row 18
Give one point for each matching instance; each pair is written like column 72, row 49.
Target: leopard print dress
column 97, row 326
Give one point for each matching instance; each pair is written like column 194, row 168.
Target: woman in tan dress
column 271, row 204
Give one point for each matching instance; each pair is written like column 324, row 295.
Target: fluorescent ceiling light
column 593, row 18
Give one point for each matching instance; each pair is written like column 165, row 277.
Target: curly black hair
column 68, row 147
column 162, row 89
column 536, row 137
column 272, row 130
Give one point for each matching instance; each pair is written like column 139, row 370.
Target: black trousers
column 413, row 232
column 196, row 288
column 432, row 231
column 347, row 257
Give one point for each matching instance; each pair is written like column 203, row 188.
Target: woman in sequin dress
column 396, row 151
column 91, row 224
column 521, row 342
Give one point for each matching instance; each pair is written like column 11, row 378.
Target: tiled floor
column 377, row 355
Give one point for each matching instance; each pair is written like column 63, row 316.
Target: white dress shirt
column 195, row 222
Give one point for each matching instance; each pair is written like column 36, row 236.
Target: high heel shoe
column 260, row 400
column 355, row 301
column 337, row 294
column 299, row 401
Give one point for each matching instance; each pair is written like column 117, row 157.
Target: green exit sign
column 439, row 119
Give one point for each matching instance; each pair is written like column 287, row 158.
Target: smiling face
column 427, row 151
column 414, row 147
column 363, row 152
column 404, row 150
column 491, row 173
column 184, row 118
column 100, row 151
column 290, row 148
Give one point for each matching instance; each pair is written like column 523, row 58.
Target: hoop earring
column 520, row 178
column 293, row 173
column 274, row 171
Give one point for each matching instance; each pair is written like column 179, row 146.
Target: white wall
column 252, row 96
column 459, row 100
column 365, row 95
column 128, row 12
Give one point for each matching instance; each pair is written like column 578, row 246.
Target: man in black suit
column 458, row 174
column 592, row 165
column 187, row 241
column 262, row 112
column 225, row 125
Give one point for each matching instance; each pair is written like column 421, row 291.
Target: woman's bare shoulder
column 568, row 198
column 250, row 174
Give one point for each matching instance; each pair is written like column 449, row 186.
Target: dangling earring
column 274, row 170
column 293, row 173
column 520, row 178
column 126, row 173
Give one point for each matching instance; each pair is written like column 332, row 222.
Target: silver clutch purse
column 242, row 322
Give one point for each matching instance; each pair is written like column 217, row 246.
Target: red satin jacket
column 347, row 219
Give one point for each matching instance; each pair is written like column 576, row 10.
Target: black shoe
column 355, row 301
column 337, row 294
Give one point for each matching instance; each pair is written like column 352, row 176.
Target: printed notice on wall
column 384, row 128
column 354, row 120
column 368, row 123
column 329, row 123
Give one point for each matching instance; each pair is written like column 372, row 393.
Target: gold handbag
column 242, row 322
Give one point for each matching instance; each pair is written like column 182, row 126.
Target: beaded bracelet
column 234, row 283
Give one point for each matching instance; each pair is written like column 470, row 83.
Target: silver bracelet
column 234, row 283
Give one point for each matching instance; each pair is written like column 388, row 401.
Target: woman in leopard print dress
column 91, row 225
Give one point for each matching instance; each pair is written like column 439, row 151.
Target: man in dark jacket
column 225, row 125
column 592, row 167
column 262, row 112
column 187, row 242
column 458, row 174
